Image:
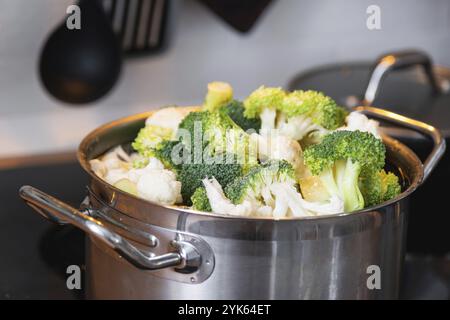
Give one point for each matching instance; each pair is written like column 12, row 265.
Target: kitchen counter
column 36, row 253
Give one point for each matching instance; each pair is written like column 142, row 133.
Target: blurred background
column 289, row 37
column 166, row 52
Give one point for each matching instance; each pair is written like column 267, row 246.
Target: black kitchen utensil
column 239, row 14
column 81, row 66
column 139, row 24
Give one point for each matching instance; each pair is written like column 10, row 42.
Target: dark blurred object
column 421, row 93
column 139, row 24
column 81, row 65
column 239, row 14
column 426, row 278
column 36, row 254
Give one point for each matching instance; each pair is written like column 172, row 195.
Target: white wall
column 292, row 36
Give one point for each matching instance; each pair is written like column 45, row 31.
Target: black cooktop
column 35, row 253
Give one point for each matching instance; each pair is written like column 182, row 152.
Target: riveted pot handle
column 397, row 61
column 438, row 141
column 59, row 211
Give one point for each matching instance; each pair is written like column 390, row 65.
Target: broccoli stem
column 352, row 196
column 342, row 180
column 218, row 94
column 329, row 182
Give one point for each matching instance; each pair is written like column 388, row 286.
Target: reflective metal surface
column 186, row 257
column 396, row 61
column 329, row 257
column 439, row 144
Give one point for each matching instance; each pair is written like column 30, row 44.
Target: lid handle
column 398, row 61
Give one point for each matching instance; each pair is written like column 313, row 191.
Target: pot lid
column 404, row 82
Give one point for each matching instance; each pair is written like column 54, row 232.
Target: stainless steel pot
column 141, row 250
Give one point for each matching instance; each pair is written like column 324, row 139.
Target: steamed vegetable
column 160, row 128
column 149, row 137
column 271, row 190
column 378, row 187
column 159, row 185
column 320, row 109
column 358, row 121
column 235, row 110
column 262, row 99
column 200, row 200
column 277, row 154
column 254, row 187
column 219, row 93
column 168, row 117
column 221, row 204
column 280, row 147
column 170, row 153
column 208, row 134
column 127, row 185
column 339, row 161
column 191, row 175
column 297, row 114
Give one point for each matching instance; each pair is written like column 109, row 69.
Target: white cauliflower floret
column 221, row 204
column 152, row 183
column 98, row 167
column 358, row 121
column 298, row 127
column 113, row 166
column 159, row 186
column 286, row 201
column 117, row 153
column 275, row 146
column 155, row 183
column 170, row 118
column 153, row 164
column 290, row 202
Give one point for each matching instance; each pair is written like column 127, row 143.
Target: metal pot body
column 329, row 259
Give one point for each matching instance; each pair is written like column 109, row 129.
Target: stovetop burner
column 36, row 254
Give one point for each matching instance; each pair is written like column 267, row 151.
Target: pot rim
column 93, row 135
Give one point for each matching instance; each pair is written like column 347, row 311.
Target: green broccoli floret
column 149, row 137
column 218, row 94
column 191, row 175
column 378, row 187
column 200, row 200
column 255, row 185
column 235, row 109
column 339, row 161
column 204, row 127
column 169, row 152
column 321, row 109
column 297, row 114
column 211, row 133
column 263, row 98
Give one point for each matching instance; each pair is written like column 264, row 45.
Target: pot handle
column 58, row 211
column 397, row 61
column 439, row 144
